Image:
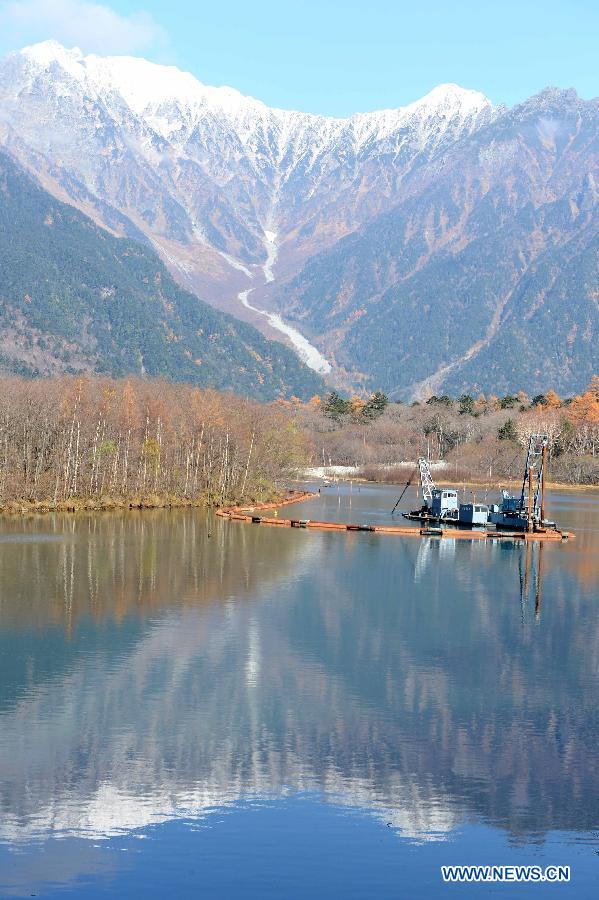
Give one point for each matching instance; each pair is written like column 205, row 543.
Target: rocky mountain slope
column 74, row 298
column 485, row 276
column 429, row 247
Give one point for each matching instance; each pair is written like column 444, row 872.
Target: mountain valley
column 446, row 246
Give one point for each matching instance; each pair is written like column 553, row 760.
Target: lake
column 192, row 707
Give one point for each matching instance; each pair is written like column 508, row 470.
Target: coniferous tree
column 376, row 405
column 466, row 405
column 507, row 431
column 335, row 406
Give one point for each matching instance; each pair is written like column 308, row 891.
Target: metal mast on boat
column 534, row 470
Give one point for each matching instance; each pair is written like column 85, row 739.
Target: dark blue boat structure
column 441, row 506
column 525, row 512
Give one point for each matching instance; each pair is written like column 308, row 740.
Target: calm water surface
column 199, row 708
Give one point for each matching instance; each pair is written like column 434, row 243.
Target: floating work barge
column 525, row 513
column 253, row 515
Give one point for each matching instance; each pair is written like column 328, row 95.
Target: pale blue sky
column 335, row 57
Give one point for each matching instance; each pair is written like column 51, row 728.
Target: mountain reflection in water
column 166, row 665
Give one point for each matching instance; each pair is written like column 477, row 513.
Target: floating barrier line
column 249, row 514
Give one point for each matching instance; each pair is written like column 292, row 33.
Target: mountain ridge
column 240, row 199
column 488, row 211
column 154, row 77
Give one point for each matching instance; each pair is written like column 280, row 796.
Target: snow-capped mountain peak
column 126, row 110
column 47, row 52
column 141, row 83
column 145, row 85
column 219, row 127
column 251, row 206
column 224, row 187
column 452, row 96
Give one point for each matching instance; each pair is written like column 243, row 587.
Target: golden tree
column 552, row 400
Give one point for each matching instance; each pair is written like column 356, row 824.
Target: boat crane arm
column 426, row 479
column 426, row 482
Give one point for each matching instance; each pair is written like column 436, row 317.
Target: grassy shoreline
column 23, row 507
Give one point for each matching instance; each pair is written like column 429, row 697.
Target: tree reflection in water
column 167, row 664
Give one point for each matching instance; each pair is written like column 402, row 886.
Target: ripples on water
column 193, row 706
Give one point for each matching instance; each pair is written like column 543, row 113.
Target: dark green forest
column 74, row 298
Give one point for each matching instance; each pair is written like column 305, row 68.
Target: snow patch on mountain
column 270, row 242
column 306, row 351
